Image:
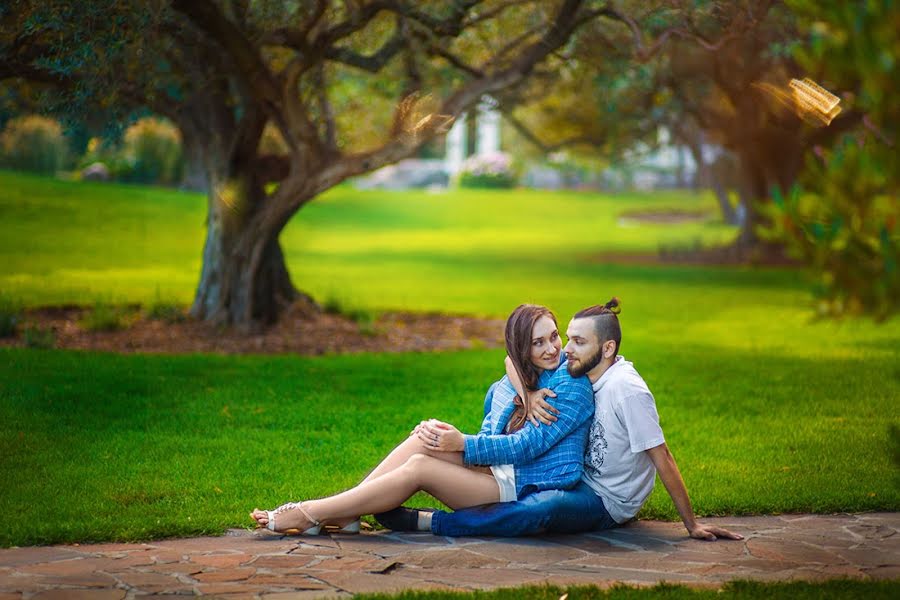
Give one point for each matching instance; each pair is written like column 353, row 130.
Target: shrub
column 366, row 320
column 104, row 317
column 488, row 171
column 332, row 306
column 33, row 143
column 843, row 222
column 168, row 312
column 10, row 316
column 39, row 337
column 152, row 148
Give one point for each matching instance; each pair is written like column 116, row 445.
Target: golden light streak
column 806, row 99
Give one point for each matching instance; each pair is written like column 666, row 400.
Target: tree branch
column 325, row 110
column 494, row 12
column 645, row 53
column 567, row 18
column 207, row 17
column 373, row 62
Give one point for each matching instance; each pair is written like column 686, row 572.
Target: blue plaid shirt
column 544, row 457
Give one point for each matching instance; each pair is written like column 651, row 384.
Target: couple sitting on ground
column 584, row 462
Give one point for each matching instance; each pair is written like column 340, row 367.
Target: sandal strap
column 315, row 522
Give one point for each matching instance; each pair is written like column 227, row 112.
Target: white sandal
column 352, row 527
column 270, row 514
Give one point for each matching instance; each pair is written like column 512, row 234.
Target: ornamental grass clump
column 104, row 317
column 33, row 143
column 491, row 171
column 153, row 150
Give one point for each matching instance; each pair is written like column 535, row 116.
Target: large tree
column 705, row 70
column 348, row 86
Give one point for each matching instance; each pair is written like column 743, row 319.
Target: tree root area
column 296, row 332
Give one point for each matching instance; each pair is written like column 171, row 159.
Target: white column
column 488, row 140
column 456, row 145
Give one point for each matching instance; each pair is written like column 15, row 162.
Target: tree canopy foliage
column 349, row 86
column 843, row 216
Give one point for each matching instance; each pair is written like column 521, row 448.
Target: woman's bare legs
column 396, row 458
column 411, row 445
column 454, row 485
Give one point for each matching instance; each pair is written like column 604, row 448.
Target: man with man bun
column 625, row 452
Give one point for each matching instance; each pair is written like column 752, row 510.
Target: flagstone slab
column 532, row 551
column 221, row 560
column 63, row 594
column 260, row 564
column 449, row 557
column 16, row 557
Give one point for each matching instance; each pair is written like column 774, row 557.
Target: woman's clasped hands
column 439, row 436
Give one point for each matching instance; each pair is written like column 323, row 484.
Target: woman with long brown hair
column 505, row 461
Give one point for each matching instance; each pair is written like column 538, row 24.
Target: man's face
column 583, row 349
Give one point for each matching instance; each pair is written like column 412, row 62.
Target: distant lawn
column 108, row 447
column 66, row 242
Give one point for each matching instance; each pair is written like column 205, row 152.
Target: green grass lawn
column 737, row 590
column 66, row 242
column 765, row 411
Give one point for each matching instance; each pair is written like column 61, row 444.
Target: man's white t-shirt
column 625, row 425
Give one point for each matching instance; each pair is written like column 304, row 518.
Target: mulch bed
column 297, row 332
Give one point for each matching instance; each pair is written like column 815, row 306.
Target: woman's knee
column 417, row 465
column 414, row 444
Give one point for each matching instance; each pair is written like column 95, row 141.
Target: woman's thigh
column 454, row 485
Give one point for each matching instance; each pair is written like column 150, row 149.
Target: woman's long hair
column 519, row 326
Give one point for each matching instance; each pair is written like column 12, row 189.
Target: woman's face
column 545, row 344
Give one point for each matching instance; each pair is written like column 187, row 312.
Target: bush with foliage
column 41, row 338
column 152, row 148
column 33, row 143
column 843, row 218
column 846, row 229
column 104, row 317
column 492, row 170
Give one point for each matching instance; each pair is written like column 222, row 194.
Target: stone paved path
column 246, row 564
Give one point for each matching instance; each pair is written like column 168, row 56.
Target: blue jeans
column 549, row 511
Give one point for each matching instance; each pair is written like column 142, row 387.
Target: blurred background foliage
column 827, row 196
column 842, row 216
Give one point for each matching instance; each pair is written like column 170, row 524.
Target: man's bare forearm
column 669, row 474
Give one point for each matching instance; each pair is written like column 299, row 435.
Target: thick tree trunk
column 770, row 165
column 244, row 279
column 194, row 177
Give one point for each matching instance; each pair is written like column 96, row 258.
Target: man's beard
column 586, row 365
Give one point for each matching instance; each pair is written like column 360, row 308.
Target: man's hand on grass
column 712, row 533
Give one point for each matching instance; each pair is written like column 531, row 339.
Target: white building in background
column 439, row 172
column 487, row 135
column 665, row 166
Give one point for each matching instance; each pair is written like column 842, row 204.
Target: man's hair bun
column 613, row 305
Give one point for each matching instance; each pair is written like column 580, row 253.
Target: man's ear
column 609, row 348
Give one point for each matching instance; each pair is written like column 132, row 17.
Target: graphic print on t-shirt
column 596, row 447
